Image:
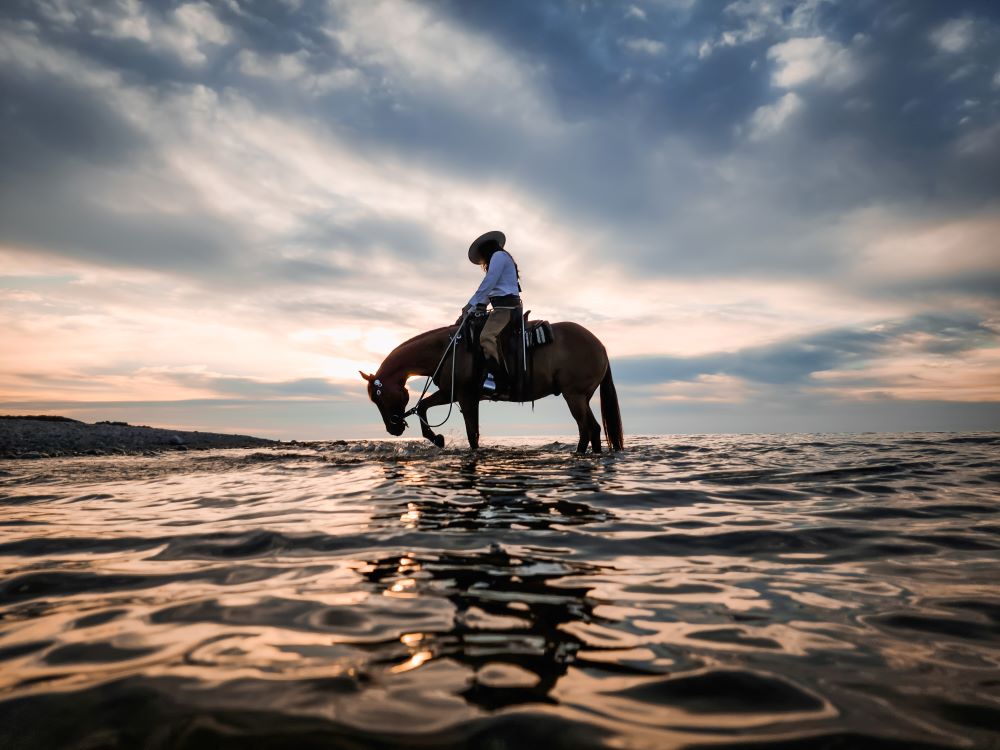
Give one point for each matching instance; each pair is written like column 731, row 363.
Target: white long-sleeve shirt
column 500, row 280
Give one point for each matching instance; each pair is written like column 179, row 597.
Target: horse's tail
column 610, row 413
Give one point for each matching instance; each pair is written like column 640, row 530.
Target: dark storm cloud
column 795, row 361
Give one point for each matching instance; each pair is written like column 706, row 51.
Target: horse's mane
column 425, row 334
column 390, row 363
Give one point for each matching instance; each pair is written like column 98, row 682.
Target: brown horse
column 574, row 364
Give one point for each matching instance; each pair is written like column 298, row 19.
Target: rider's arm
column 497, row 264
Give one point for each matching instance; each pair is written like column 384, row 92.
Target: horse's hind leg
column 579, row 407
column 595, row 431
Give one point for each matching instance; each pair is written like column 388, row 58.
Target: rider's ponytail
column 488, row 252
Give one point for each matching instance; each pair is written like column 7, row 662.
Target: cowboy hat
column 476, row 247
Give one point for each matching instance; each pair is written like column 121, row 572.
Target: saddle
column 517, row 341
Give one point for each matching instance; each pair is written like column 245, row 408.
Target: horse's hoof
column 438, row 440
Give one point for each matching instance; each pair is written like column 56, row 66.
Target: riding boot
column 500, row 378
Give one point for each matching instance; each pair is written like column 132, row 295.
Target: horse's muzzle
column 396, row 425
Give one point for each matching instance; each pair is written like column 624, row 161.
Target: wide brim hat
column 475, row 249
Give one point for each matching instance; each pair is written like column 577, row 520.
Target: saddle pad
column 539, row 333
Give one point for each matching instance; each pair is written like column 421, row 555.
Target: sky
column 777, row 216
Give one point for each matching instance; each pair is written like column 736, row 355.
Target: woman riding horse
column 501, row 287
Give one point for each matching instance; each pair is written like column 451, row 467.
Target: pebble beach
column 53, row 437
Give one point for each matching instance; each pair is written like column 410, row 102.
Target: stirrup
column 492, row 389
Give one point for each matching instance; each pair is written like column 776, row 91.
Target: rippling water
column 761, row 591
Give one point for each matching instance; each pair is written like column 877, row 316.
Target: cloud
column 746, row 22
column 813, row 60
column 312, row 77
column 924, row 256
column 423, row 54
column 859, row 351
column 953, row 36
column 634, row 11
column 644, row 46
column 771, row 118
column 220, row 385
column 192, row 31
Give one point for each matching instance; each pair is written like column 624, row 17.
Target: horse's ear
column 366, row 377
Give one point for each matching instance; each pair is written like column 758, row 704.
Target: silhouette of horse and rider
column 573, row 362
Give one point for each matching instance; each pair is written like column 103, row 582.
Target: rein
column 451, row 404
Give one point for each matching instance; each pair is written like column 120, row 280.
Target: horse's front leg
column 470, row 410
column 438, row 398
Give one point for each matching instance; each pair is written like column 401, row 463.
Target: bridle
column 452, row 344
column 394, row 419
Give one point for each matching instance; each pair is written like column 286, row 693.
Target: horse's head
column 391, row 399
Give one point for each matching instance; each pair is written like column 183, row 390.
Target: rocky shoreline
column 49, row 436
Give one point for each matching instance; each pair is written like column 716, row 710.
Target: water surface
column 716, row 591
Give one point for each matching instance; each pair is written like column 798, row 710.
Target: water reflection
column 492, row 492
column 507, row 622
column 511, row 608
column 765, row 591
